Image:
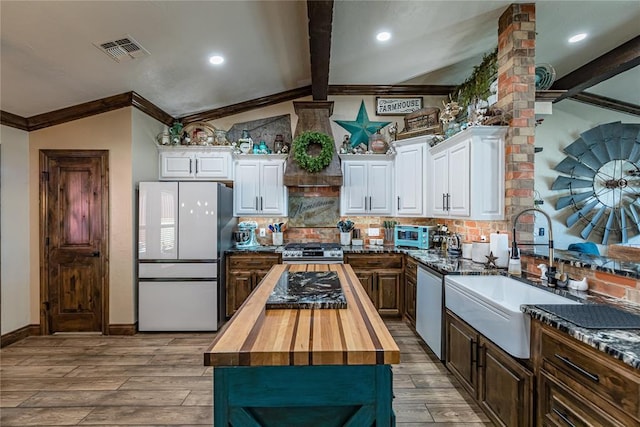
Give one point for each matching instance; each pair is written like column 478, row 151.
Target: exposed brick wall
column 516, row 96
column 599, row 281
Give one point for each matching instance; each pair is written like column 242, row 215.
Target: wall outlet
column 373, row 232
column 541, row 231
column 263, row 232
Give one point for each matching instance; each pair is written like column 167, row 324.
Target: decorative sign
column 307, row 211
column 397, row 106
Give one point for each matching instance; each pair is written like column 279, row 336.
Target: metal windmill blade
column 573, row 199
column 593, row 223
column 575, row 217
column 564, row 183
column 611, row 133
column 572, row 167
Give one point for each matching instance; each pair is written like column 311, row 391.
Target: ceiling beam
column 320, row 14
column 612, row 63
column 437, row 90
column 608, row 103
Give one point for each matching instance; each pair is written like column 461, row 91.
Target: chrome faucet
column 552, row 270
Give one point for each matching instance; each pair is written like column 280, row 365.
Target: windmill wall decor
column 603, row 180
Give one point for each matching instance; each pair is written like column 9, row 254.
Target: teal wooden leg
column 322, row 396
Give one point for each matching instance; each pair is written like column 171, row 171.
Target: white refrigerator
column 183, row 230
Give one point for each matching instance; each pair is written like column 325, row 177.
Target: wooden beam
column 241, row 107
column 320, row 14
column 79, row 111
column 13, row 120
column 436, row 90
column 150, row 109
column 608, row 103
column 612, row 63
column 548, row 95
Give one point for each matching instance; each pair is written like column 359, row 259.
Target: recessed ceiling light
column 216, row 60
column 383, row 36
column 577, row 38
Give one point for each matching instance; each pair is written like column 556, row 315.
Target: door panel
column 459, row 180
column 74, row 247
column 158, row 220
column 198, row 220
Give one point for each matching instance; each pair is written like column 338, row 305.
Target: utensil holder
column 345, row 238
column 388, row 235
column 277, row 238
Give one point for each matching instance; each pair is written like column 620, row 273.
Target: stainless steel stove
column 312, row 253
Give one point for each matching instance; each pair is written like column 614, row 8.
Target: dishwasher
column 429, row 303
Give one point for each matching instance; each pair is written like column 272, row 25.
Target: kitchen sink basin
column 491, row 304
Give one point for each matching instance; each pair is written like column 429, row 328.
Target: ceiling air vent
column 122, row 49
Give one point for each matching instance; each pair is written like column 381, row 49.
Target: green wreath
column 313, row 163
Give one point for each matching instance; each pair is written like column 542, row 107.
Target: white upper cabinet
column 204, row 163
column 410, row 176
column 466, row 175
column 367, row 187
column 259, row 189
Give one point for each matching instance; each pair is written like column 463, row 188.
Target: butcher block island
column 304, row 366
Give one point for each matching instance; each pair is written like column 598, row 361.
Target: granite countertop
column 307, row 289
column 622, row 344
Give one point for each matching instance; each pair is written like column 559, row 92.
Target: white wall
column 569, row 119
column 14, row 201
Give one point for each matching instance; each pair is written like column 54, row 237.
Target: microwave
column 414, row 236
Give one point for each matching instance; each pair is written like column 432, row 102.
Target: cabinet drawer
column 585, row 369
column 253, row 261
column 374, row 261
column 561, row 407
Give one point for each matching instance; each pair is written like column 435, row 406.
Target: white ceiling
column 48, row 60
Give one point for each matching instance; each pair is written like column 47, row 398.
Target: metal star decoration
column 491, row 260
column 361, row 128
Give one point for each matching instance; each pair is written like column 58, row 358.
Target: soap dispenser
column 514, row 268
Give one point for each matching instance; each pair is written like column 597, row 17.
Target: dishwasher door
column 429, row 309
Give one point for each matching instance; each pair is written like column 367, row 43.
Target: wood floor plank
column 11, row 399
column 168, row 383
column 74, row 398
column 42, row 416
column 65, row 383
column 141, row 415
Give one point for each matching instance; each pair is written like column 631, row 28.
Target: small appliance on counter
column 414, row 236
column 439, row 237
column 245, row 236
column 454, row 245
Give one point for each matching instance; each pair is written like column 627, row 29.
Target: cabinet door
column 272, row 200
column 505, row 388
column 367, row 281
column 246, row 188
column 439, row 174
column 353, row 194
column 459, row 180
column 176, row 165
column 462, row 343
column 409, row 180
column 380, row 187
column 213, row 165
column 388, row 290
column 239, row 286
column 410, row 300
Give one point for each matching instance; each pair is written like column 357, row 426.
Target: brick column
column 516, row 96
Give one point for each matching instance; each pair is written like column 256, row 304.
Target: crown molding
column 437, row 90
column 13, row 120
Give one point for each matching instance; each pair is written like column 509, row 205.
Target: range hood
column 313, row 116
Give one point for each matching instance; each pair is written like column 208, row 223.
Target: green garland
column 313, row 163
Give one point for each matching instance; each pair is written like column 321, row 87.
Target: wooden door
column 74, row 241
column 461, row 347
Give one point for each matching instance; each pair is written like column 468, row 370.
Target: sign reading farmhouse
column 396, row 106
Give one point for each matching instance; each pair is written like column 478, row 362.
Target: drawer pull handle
column 569, row 363
column 563, row 417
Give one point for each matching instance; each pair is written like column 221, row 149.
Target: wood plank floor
column 160, row 379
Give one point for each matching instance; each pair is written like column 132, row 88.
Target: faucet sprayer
column 514, row 245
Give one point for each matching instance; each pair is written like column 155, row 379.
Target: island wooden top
column 254, row 336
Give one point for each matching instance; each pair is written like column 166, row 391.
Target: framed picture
column 397, row 106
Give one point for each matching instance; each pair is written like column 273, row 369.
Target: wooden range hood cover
column 313, row 116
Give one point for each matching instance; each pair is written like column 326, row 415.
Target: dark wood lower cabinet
column 499, row 383
column 244, row 272
column 382, row 277
column 505, row 389
column 410, row 289
column 579, row 385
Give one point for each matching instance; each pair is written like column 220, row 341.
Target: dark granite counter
column 261, row 248
column 307, row 289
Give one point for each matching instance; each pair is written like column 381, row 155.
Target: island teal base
column 309, row 396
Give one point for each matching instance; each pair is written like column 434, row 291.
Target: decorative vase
column 277, row 238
